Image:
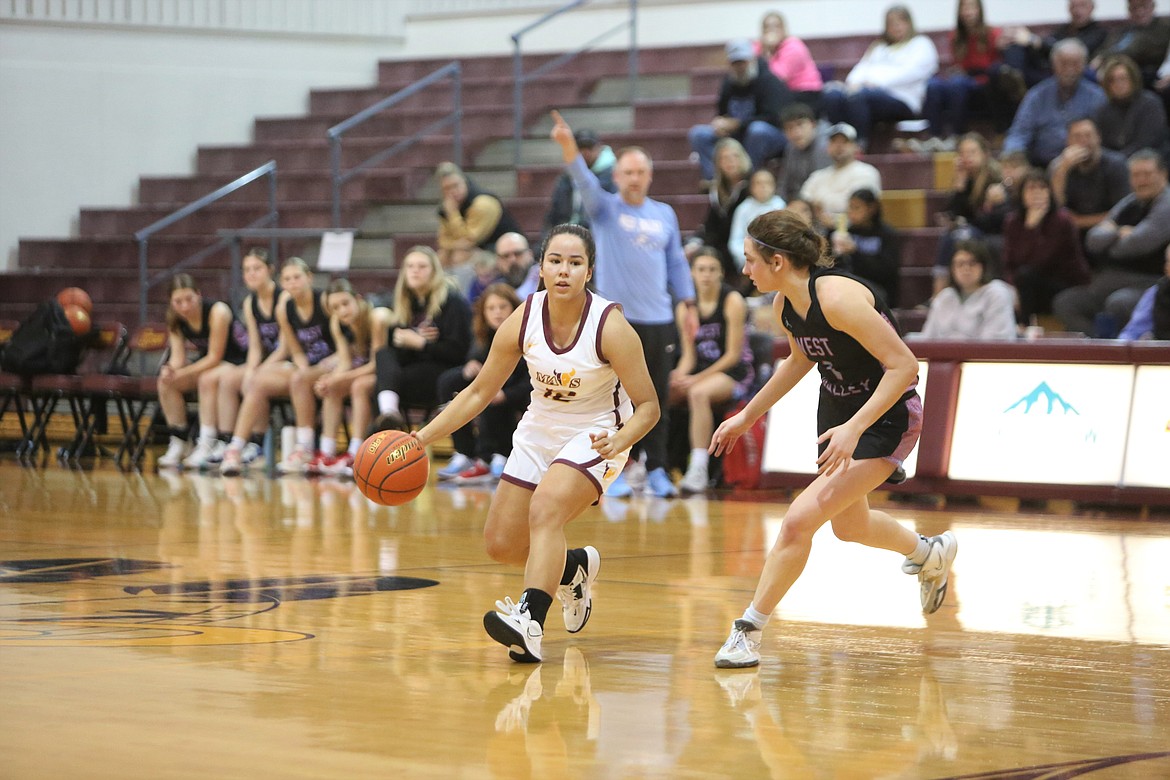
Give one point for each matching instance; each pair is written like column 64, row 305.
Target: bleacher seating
column 394, row 205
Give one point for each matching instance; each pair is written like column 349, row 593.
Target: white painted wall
column 85, row 110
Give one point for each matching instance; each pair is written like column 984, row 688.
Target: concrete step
column 121, row 252
column 476, row 122
column 551, row 90
column 664, row 86
column 602, row 119
column 96, row 222
column 307, row 155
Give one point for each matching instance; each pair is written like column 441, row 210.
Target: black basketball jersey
column 849, row 373
column 314, row 335
column 268, row 327
column 234, row 350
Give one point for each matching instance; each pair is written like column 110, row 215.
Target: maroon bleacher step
column 125, row 221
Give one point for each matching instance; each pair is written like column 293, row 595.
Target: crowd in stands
column 1057, row 208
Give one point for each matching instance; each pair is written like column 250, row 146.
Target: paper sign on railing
column 336, row 249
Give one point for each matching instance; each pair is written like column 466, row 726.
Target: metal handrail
column 453, row 70
column 232, row 237
column 143, row 236
column 519, row 78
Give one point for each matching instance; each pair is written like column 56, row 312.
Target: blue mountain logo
column 1050, row 397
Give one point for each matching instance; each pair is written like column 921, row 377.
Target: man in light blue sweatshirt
column 640, row 264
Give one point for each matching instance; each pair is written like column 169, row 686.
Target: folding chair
column 90, row 401
column 12, row 386
column 47, row 390
column 136, row 394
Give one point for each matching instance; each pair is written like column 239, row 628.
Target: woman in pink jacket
column 789, row 59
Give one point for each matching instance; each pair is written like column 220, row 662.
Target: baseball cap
column 740, row 50
column 841, row 128
column 586, row 138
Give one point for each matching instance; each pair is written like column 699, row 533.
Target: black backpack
column 44, row 344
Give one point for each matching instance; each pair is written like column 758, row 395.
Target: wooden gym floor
column 189, row 626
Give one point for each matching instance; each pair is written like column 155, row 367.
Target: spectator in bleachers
column 483, row 445
column 1030, row 54
column 514, row 256
column 716, row 365
column 789, row 59
column 468, row 217
column 828, row 189
column 807, row 150
column 727, row 190
column 641, row 265
column 212, row 329
column 224, row 382
column 1087, row 179
column 977, row 205
column 1144, row 39
column 1133, row 118
column 1041, row 248
column 869, row 247
column 430, row 331
column 974, row 78
column 566, row 206
column 487, row 272
column 888, row 84
column 305, row 341
column 1128, row 248
column 761, row 199
column 748, row 110
column 801, row 208
column 1151, row 316
column 1041, row 123
column 359, row 330
column 974, row 305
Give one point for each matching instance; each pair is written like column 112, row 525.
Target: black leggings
column 660, row 345
column 416, row 383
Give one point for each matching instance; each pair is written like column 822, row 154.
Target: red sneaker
column 478, row 472
column 338, row 466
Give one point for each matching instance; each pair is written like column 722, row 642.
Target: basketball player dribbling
column 592, row 399
column 868, row 419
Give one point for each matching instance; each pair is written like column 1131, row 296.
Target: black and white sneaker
column 576, row 600
column 513, row 628
column 936, row 571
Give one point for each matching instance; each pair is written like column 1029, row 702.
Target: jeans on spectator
column 761, row 140
column 1112, row 291
column 863, row 108
column 946, row 105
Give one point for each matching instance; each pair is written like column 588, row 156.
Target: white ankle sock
column 354, row 443
column 208, row 434
column 305, row 438
column 328, row 446
column 922, row 551
column 752, row 615
column 699, row 457
column 387, row 402
column 237, row 443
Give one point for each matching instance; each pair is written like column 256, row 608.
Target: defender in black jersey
column 868, row 418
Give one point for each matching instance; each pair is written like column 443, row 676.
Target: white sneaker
column 250, row 453
column 456, row 466
column 936, row 571
column 177, row 450
column 232, row 464
column 635, row 474
column 695, row 480
column 512, row 627
column 201, row 455
column 742, row 648
column 296, row 462
column 576, row 600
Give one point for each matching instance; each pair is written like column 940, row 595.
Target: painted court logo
column 164, row 613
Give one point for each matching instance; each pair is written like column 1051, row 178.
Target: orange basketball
column 77, row 297
column 391, row 468
column 78, row 319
